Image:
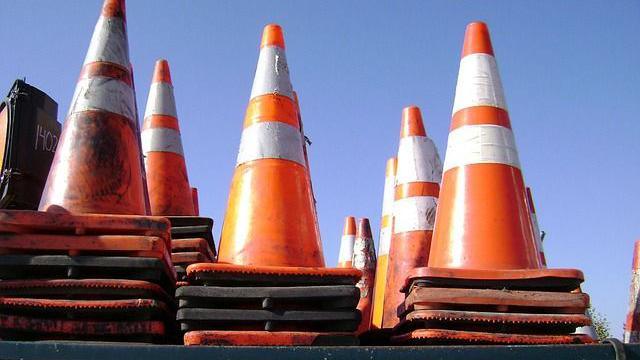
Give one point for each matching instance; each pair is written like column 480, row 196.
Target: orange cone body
column 632, row 323
column 536, row 227
column 364, row 259
column 383, row 245
column 97, row 166
column 482, row 221
column 345, row 255
column 196, row 201
column 270, row 218
column 167, row 180
column 416, row 197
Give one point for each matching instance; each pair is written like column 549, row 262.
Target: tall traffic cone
column 270, row 218
column 167, row 180
column 364, row 259
column 416, row 197
column 384, row 243
column 483, row 221
column 346, row 243
column 483, row 241
column 97, row 166
column 536, row 228
column 632, row 323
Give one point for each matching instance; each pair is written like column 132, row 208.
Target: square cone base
column 263, row 338
column 198, row 245
column 190, row 227
column 459, row 306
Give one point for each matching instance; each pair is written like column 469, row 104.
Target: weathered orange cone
column 167, row 180
column 384, row 244
column 536, row 228
column 483, row 221
column 97, row 166
column 416, row 197
column 346, row 243
column 632, row 323
column 196, row 201
column 270, row 218
column 364, row 259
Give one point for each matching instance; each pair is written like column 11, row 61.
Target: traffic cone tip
column 412, row 124
column 349, row 226
column 364, row 229
column 161, row 72
column 272, row 36
column 477, row 39
column 114, row 8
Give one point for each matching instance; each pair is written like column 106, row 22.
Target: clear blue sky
column 569, row 68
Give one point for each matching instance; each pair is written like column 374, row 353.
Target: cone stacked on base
column 112, row 266
column 97, row 166
column 384, row 244
column 632, row 322
column 167, row 180
column 270, row 218
column 484, row 240
column 416, row 197
column 345, row 255
column 364, row 259
column 270, row 255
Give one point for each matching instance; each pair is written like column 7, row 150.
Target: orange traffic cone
column 270, row 218
column 416, row 197
column 167, row 180
column 196, row 201
column 346, row 243
column 384, row 244
column 536, row 227
column 97, row 166
column 364, row 259
column 483, row 221
column 632, row 323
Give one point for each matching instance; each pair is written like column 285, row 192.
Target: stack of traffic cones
column 170, row 194
column 74, row 269
column 486, row 282
column 345, row 254
column 270, row 286
column 417, row 186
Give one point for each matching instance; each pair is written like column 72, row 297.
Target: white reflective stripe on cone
column 346, row 248
column 418, row 161
column 272, row 73
column 388, row 196
column 362, row 257
column 109, row 42
column 481, row 144
column 414, row 214
column 161, row 100
column 385, row 241
column 161, row 139
column 103, row 93
column 479, row 83
column 271, row 140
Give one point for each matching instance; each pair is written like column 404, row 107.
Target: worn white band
column 103, row 93
column 385, row 241
column 161, row 139
column 271, row 140
column 363, row 254
column 109, row 42
column 272, row 73
column 481, row 144
column 161, row 100
column 346, row 248
column 414, row 213
column 418, row 161
column 478, row 83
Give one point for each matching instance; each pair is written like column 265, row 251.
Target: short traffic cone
column 536, row 227
column 346, row 243
column 167, row 180
column 384, row 244
column 632, row 323
column 416, row 197
column 270, row 218
column 484, row 241
column 364, row 259
column 97, row 166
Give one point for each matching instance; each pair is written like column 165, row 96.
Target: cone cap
column 412, row 122
column 349, row 226
column 477, row 39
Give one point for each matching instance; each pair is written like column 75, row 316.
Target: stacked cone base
column 264, row 338
column 281, row 305
column 85, row 277
column 191, row 242
column 450, row 306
